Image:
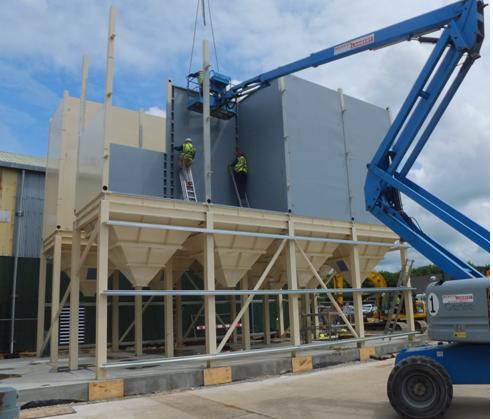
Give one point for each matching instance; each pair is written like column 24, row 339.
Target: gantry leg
column 266, row 320
column 55, row 298
column 308, row 319
column 316, row 316
column 232, row 315
column 168, row 311
column 115, row 313
column 41, row 304
column 356, row 283
column 74, row 301
column 210, row 285
column 179, row 318
column 101, row 298
column 138, row 313
column 280, row 316
column 407, row 295
column 294, row 310
column 245, row 320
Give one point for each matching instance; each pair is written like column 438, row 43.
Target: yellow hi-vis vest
column 241, row 165
column 189, row 150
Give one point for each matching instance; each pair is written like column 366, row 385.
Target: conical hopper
column 234, row 255
column 87, row 285
column 181, row 264
column 317, row 253
column 140, row 253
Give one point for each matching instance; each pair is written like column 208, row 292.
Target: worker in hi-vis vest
column 199, row 75
column 240, row 169
column 187, row 153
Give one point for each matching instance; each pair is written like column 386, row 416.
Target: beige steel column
column 266, row 320
column 355, row 272
column 308, row 319
column 74, row 300
column 138, row 332
column 209, row 285
column 115, row 313
column 179, row 318
column 245, row 320
column 316, row 316
column 407, row 295
column 294, row 310
column 168, row 311
column 280, row 316
column 101, row 287
column 108, row 95
column 41, row 304
column 55, row 298
column 232, row 315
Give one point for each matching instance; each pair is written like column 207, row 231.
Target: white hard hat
column 188, row 140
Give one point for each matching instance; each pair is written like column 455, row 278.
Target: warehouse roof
column 22, row 161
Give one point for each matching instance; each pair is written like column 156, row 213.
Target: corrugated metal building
column 21, row 204
column 21, row 215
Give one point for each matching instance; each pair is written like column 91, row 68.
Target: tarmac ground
column 355, row 390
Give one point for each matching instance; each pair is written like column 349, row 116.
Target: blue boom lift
column 420, row 385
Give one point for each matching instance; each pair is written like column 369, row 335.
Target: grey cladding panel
column 136, row 171
column 365, row 127
column 189, row 124
column 316, row 160
column 261, row 139
column 28, row 227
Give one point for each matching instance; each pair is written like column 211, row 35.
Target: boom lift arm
column 462, row 33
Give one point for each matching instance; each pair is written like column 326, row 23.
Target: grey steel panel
column 365, row 127
column 28, row 226
column 261, row 138
column 317, row 172
column 136, row 171
column 189, row 124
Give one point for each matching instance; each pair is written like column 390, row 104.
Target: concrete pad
column 342, row 392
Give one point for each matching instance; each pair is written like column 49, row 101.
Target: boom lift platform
column 420, row 385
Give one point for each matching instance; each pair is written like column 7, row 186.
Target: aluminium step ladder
column 242, row 201
column 187, row 184
column 397, row 300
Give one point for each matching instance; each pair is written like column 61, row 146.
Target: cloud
column 156, row 111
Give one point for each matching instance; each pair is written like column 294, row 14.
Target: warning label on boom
column 355, row 43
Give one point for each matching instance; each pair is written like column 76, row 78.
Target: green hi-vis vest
column 189, row 150
column 241, row 165
column 201, row 77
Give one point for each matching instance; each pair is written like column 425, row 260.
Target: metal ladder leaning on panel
column 243, row 202
column 397, row 300
column 187, row 184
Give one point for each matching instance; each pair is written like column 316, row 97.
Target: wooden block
column 301, row 364
column 366, row 353
column 106, row 389
column 47, row 411
column 220, row 375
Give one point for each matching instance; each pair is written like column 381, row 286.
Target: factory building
column 22, row 180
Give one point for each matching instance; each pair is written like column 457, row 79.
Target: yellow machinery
column 379, row 316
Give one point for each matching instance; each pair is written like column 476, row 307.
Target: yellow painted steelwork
column 8, row 190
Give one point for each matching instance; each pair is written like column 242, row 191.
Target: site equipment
column 420, row 385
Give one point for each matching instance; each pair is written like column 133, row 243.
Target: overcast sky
column 42, row 42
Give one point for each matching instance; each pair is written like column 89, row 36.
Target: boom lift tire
column 420, row 388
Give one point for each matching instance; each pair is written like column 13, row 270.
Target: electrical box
column 459, row 310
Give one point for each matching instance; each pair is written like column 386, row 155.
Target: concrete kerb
column 193, row 377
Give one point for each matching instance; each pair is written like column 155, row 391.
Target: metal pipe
column 241, row 354
column 18, row 214
column 201, row 293
column 244, row 233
